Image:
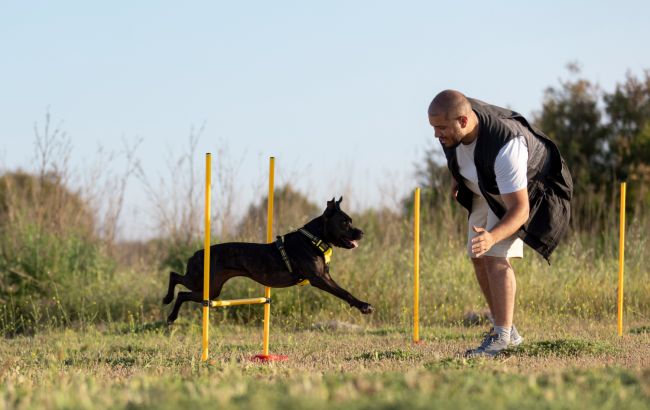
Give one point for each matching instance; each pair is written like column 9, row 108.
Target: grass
column 563, row 347
column 153, row 367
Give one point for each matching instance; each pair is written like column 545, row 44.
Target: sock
column 503, row 332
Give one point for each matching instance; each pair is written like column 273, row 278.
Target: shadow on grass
column 561, row 347
column 640, row 330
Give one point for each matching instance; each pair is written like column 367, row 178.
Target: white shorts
column 483, row 217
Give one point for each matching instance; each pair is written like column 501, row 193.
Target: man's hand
column 482, row 242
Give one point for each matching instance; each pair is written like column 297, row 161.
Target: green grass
column 563, row 347
column 385, row 355
column 154, row 367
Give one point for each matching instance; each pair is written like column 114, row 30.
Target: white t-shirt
column 510, row 166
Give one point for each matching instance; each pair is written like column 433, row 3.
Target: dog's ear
column 338, row 203
column 331, row 207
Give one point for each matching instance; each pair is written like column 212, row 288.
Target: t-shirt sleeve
column 511, row 166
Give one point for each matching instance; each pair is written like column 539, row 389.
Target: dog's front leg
column 327, row 284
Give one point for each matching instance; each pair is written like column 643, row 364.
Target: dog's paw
column 366, row 308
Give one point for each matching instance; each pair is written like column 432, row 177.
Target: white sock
column 513, row 329
column 503, row 332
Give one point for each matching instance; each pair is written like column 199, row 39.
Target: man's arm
column 516, row 215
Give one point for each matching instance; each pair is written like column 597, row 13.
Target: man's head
column 452, row 118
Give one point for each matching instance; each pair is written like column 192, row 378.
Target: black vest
column 550, row 186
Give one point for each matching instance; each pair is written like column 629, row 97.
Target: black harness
column 323, row 246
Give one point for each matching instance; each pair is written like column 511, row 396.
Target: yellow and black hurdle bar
column 266, row 300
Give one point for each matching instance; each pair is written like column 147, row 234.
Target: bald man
column 517, row 189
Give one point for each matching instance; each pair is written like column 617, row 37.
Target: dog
column 295, row 257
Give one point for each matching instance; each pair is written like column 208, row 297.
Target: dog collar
column 323, row 246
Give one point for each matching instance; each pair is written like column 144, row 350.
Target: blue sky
column 336, row 90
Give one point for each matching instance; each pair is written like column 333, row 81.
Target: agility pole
column 416, row 266
column 207, row 303
column 621, row 260
column 206, row 257
column 269, row 239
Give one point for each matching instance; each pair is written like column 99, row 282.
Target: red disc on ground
column 265, row 358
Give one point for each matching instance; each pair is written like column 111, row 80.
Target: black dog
column 299, row 255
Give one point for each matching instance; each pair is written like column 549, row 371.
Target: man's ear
column 463, row 120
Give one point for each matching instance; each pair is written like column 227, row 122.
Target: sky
column 337, row 91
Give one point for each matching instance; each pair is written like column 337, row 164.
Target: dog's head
column 338, row 228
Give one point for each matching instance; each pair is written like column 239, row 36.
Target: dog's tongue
column 354, row 244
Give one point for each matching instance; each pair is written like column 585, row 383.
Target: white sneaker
column 515, row 340
column 515, row 337
column 492, row 345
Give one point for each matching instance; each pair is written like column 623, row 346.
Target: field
column 100, row 342
column 562, row 365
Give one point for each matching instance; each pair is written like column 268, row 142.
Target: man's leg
column 482, row 279
column 502, row 286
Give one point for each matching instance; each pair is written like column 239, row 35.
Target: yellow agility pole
column 235, row 302
column 265, row 356
column 269, row 239
column 621, row 260
column 416, row 267
column 206, row 257
column 207, row 303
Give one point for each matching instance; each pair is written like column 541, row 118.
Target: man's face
column 450, row 131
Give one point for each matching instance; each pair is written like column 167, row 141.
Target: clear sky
column 336, row 90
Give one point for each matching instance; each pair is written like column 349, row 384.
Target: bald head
column 450, row 104
column 452, row 118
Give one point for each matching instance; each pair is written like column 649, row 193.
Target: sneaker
column 482, row 346
column 515, row 337
column 515, row 340
column 491, row 346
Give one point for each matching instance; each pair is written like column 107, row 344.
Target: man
column 515, row 185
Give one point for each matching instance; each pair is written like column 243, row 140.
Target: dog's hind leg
column 183, row 297
column 174, row 279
